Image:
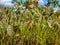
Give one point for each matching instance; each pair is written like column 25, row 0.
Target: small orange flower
column 15, row 4
column 31, row 6
column 30, row 22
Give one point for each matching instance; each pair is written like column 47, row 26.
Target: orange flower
column 31, row 6
column 15, row 4
column 30, row 22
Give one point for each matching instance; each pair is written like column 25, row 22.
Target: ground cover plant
column 29, row 25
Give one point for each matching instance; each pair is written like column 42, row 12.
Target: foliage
column 29, row 26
